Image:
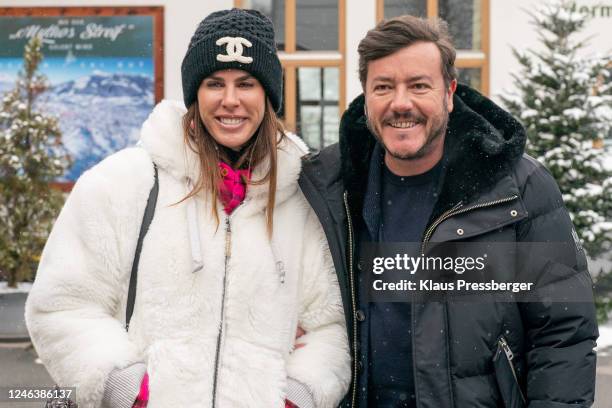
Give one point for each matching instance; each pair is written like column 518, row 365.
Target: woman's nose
column 230, row 97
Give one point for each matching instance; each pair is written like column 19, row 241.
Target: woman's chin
column 232, row 140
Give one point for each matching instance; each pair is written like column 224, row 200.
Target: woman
column 234, row 261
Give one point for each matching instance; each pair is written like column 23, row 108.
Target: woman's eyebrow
column 244, row 77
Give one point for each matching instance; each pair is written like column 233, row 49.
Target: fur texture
column 76, row 307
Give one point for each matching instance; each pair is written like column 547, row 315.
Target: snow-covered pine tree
column 31, row 157
column 564, row 101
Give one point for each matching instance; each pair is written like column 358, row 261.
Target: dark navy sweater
column 396, row 209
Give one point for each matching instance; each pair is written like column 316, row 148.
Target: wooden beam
column 158, row 52
column 290, row 118
column 78, row 11
column 380, row 10
column 470, row 63
column 290, row 25
column 290, row 98
column 432, row 8
column 485, row 16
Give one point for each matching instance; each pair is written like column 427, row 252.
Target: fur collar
column 162, row 137
column 483, row 142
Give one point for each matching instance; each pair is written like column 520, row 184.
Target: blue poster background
column 101, row 75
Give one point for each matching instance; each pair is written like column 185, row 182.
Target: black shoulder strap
column 144, row 227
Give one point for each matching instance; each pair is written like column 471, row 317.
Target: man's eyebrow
column 420, row 78
column 415, row 78
column 382, row 79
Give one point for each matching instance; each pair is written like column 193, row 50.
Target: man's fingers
column 299, row 345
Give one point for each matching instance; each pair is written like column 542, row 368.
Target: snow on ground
column 605, row 335
column 22, row 287
column 604, row 342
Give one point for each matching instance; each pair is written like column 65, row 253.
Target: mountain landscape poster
column 104, row 66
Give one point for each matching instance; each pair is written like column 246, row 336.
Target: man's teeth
column 231, row 121
column 403, row 125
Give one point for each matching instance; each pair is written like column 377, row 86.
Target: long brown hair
column 261, row 145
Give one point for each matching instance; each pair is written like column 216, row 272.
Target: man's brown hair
column 394, row 34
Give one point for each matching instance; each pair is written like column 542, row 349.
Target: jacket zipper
column 353, row 300
column 510, row 356
column 458, row 210
column 228, row 250
column 446, row 215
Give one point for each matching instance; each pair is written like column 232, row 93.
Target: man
column 423, row 159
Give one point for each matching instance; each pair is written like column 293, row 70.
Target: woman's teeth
column 230, row 121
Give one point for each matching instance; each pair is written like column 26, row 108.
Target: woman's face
column 232, row 104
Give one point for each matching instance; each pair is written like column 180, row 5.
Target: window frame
column 291, row 60
column 465, row 58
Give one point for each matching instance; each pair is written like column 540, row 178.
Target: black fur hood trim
column 483, row 143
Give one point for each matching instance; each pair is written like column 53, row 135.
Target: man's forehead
column 421, row 59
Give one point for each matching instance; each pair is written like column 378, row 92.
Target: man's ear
column 452, row 87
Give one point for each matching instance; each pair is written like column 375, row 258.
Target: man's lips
column 403, row 124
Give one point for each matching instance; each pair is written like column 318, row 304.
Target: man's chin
column 408, row 147
column 414, row 149
column 406, row 155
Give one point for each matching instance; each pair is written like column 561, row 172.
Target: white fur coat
column 75, row 311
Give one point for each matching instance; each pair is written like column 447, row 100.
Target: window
column 394, row 8
column 468, row 22
column 311, row 40
column 471, row 77
column 318, row 105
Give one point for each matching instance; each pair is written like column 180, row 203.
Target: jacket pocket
column 505, row 373
column 180, row 373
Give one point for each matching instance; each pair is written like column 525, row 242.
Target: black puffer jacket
column 505, row 195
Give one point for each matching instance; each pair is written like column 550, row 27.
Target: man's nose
column 402, row 101
column 230, row 97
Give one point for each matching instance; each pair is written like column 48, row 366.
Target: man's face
column 408, row 103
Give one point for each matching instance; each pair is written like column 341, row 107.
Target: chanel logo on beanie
column 234, row 49
column 233, row 39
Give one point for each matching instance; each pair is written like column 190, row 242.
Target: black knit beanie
column 239, row 39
